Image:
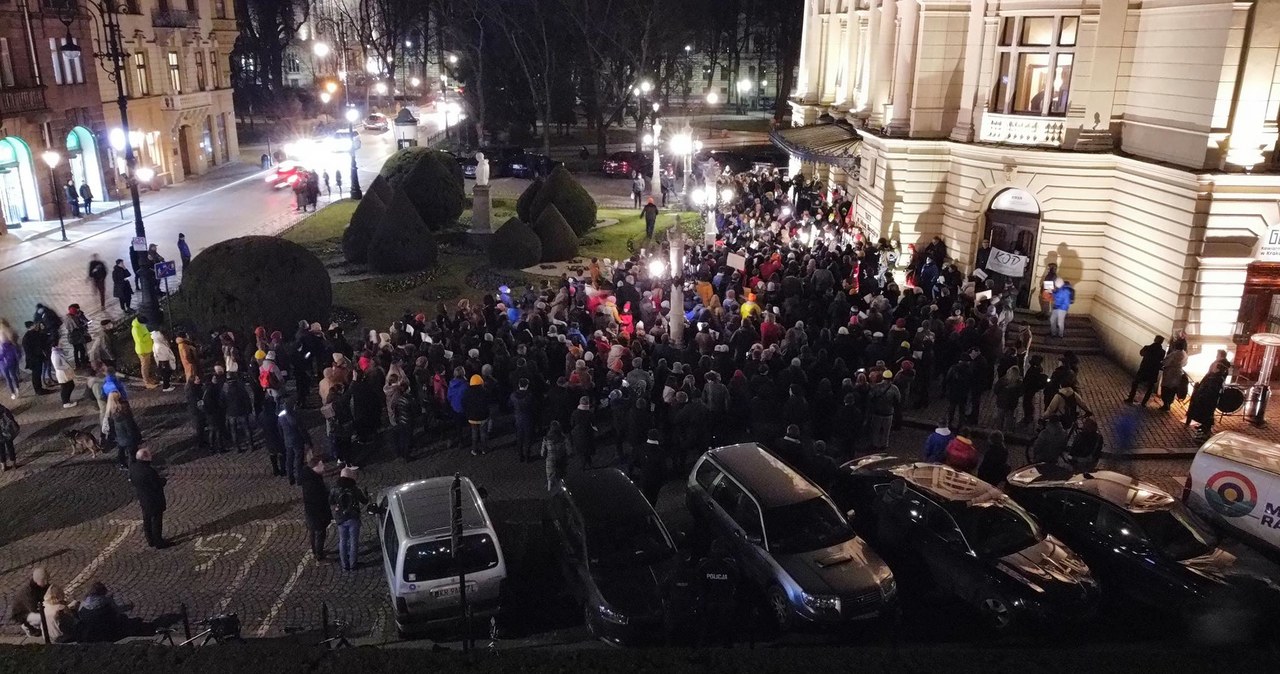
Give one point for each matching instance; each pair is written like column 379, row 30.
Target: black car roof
column 1115, row 488
column 605, row 494
column 947, row 483
column 771, row 480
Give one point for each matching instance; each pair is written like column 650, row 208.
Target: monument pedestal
column 481, row 215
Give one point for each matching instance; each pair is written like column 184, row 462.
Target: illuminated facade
column 1132, row 143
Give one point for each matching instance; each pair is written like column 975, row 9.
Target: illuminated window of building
column 200, row 79
column 1035, row 56
column 175, row 72
column 143, row 78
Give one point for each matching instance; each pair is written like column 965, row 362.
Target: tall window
column 175, row 73
column 142, row 76
column 215, row 71
column 1033, row 70
column 220, row 9
column 66, row 67
column 200, row 81
column 6, row 64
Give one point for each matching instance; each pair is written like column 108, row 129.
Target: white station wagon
column 417, row 554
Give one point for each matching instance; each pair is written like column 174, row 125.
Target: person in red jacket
column 961, row 454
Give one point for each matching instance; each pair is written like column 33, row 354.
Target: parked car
column 615, row 552
column 377, row 122
column 531, row 164
column 287, row 174
column 1142, row 542
column 791, row 542
column 414, row 526
column 1234, row 482
column 970, row 539
column 625, row 164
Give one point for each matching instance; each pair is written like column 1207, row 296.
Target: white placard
column 737, row 261
column 1009, row 264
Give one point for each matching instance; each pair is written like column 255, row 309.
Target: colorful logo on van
column 1230, row 494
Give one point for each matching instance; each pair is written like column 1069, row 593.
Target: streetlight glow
column 713, row 98
column 144, row 174
column 325, row 97
column 413, row 81
column 453, row 59
column 726, row 195
column 331, row 87
column 51, row 158
column 380, row 87
column 352, row 115
column 699, row 197
column 656, row 106
column 688, row 48
column 646, row 86
column 657, row 268
column 744, row 86
column 320, row 49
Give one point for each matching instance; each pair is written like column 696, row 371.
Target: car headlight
column 610, row 615
column 820, row 602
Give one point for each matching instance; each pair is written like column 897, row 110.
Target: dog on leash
column 83, row 442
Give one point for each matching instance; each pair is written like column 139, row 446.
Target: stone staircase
column 1080, row 337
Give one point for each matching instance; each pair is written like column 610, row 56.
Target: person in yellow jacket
column 749, row 308
column 143, row 346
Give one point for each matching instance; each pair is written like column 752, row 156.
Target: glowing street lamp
column 325, row 97
column 657, row 268
column 712, row 98
column 646, row 86
column 330, row 87
column 320, row 49
column 413, row 81
column 381, row 88
column 453, row 59
column 51, row 159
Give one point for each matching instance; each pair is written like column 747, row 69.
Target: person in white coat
column 65, row 373
column 166, row 362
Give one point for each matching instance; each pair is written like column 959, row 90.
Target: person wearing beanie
column 475, row 408
column 961, row 454
column 348, row 501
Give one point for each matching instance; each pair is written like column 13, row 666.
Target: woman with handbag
column 1173, row 381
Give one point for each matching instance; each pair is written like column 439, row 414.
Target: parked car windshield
column 1176, row 532
column 804, row 526
column 628, row 542
column 434, row 559
column 997, row 527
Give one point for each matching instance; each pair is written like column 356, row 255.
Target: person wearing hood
column 935, row 446
column 187, row 354
column 454, row 394
column 100, row 617
column 1050, row 444
column 961, row 454
column 475, row 409
column 348, row 502
column 78, row 334
column 143, row 346
column 65, row 374
column 35, row 346
column 166, row 362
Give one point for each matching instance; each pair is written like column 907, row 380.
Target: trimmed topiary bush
column 364, row 222
column 249, row 281
column 515, row 246
column 433, row 182
column 573, row 201
column 559, row 243
column 525, row 203
column 402, row 242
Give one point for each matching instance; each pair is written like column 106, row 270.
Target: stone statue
column 482, row 169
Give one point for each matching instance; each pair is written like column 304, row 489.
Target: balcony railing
column 222, row 23
column 18, row 101
column 174, row 18
column 1022, row 130
column 194, row 99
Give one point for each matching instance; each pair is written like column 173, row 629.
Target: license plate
column 451, row 591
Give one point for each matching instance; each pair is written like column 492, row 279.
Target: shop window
column 1033, row 71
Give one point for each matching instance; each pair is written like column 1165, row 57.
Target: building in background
column 48, row 100
column 1131, row 143
column 178, row 81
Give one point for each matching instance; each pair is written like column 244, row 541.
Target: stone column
column 481, row 209
column 969, row 98
column 810, row 39
column 1248, row 140
column 904, row 67
column 882, row 63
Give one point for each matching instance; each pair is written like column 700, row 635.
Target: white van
column 1235, row 482
column 417, row 554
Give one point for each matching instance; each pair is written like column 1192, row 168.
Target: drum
column 1231, row 399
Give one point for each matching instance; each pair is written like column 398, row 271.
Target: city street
column 234, row 201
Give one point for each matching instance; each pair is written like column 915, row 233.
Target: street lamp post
column 51, row 159
column 112, row 61
column 655, row 188
column 352, row 116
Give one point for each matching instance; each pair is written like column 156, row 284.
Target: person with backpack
column 348, row 501
column 9, row 430
column 1065, row 407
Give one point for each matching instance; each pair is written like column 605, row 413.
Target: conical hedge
column 514, row 246
column 364, row 221
column 525, row 203
column 402, row 241
column 559, row 243
column 571, row 199
column 433, row 182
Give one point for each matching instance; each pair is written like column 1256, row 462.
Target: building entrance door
column 184, row 151
column 1013, row 226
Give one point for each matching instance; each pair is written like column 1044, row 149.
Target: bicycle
column 219, row 629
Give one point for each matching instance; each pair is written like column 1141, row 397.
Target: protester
column 555, row 450
column 1152, row 359
column 121, row 289
column 315, row 506
column 9, row 430
column 122, row 429
column 348, row 501
column 149, row 487
column 98, row 278
column 994, row 467
column 1173, row 380
column 24, row 607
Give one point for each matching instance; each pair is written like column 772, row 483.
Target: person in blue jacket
column 457, row 387
column 935, row 447
column 1063, row 296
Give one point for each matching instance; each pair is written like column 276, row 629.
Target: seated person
column 26, row 602
column 100, row 617
column 60, row 616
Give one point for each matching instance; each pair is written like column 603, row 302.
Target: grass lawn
column 611, row 241
column 327, row 223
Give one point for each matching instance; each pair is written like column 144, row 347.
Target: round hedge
column 402, row 241
column 433, row 181
column 559, row 243
column 571, row 199
column 514, row 246
column 524, row 205
column 253, row 281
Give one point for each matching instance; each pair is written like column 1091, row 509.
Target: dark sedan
column 1143, row 542
column 969, row 538
column 627, row 164
column 615, row 553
